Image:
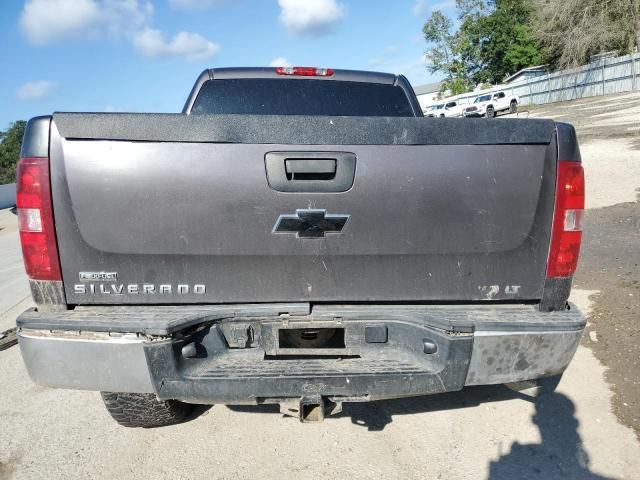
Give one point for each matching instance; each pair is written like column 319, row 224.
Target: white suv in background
column 491, row 104
column 448, row 109
column 430, row 111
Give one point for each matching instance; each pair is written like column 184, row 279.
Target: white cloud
column 152, row 43
column 279, row 62
column 45, row 21
column 195, row 4
column 311, row 17
column 422, row 7
column 36, row 90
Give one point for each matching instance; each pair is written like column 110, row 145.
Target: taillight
column 566, row 233
column 305, row 71
column 35, row 219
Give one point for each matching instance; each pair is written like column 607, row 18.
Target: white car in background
column 431, row 109
column 449, row 109
column 491, row 104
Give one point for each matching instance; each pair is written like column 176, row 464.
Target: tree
column 503, row 40
column 444, row 56
column 635, row 21
column 471, row 8
column 10, row 142
column 494, row 39
column 573, row 30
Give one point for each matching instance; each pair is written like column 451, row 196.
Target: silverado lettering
column 134, row 289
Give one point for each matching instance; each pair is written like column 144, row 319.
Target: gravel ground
column 598, row 118
column 611, row 264
column 484, row 432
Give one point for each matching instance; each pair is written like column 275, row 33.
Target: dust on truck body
column 296, row 236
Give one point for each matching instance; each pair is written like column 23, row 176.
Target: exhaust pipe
column 312, row 409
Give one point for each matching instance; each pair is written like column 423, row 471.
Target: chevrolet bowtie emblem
column 310, row 223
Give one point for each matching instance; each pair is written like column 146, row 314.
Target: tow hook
column 312, row 409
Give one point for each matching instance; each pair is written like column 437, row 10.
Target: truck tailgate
column 176, row 209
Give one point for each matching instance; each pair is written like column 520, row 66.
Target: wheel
column 8, row 339
column 491, row 113
column 513, row 108
column 442, row 116
column 144, row 409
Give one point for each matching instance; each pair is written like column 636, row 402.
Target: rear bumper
column 231, row 354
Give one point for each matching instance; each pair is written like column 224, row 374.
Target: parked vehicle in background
column 297, row 237
column 491, row 104
column 450, row 109
column 432, row 111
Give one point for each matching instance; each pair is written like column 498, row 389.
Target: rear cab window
column 266, row 96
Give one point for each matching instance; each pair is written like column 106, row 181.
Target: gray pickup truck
column 296, row 236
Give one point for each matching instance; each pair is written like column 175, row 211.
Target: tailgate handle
column 312, row 172
column 310, row 169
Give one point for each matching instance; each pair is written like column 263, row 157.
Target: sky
column 144, row 56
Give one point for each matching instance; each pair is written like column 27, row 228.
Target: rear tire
column 144, row 409
column 8, row 339
column 513, row 108
column 491, row 113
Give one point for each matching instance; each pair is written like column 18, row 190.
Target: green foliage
column 10, row 142
column 444, row 54
column 455, row 86
column 494, row 39
column 504, row 40
column 437, row 31
column 471, row 8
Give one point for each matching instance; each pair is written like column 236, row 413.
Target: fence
column 602, row 77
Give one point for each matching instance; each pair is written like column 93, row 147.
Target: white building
column 427, row 94
column 527, row 73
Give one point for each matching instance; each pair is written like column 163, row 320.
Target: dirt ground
column 609, row 133
column 613, row 324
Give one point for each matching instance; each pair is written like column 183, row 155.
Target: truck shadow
column 560, row 454
column 375, row 416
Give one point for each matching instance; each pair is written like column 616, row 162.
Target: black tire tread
column 144, row 410
column 8, row 339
